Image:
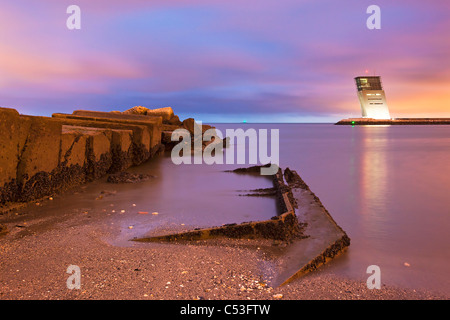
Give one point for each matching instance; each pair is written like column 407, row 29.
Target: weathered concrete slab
column 141, row 136
column 40, row 155
column 325, row 238
column 312, row 235
column 39, row 152
column 39, row 158
column 73, row 147
column 13, row 135
column 280, row 227
column 122, row 150
column 154, row 123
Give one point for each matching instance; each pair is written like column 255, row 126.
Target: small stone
column 130, row 227
column 155, row 213
column 406, row 264
column 277, row 296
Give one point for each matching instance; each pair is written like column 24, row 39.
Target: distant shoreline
column 397, row 121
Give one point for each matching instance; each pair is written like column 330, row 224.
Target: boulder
column 175, row 120
column 165, row 113
column 190, row 125
column 137, row 110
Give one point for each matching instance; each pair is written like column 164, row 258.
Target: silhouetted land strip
column 397, row 121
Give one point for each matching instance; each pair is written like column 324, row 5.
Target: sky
column 225, row 61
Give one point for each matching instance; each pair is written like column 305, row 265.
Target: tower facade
column 372, row 98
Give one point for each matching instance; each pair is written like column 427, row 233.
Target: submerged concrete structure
column 312, row 236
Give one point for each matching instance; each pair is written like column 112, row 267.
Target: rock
column 126, row 177
column 206, row 127
column 166, row 113
column 175, row 120
column 137, row 110
column 253, row 169
column 190, row 125
column 226, row 142
column 3, row 229
column 277, row 296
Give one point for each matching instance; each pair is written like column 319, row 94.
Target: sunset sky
column 225, row 61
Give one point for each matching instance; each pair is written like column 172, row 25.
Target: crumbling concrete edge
column 333, row 250
column 282, row 227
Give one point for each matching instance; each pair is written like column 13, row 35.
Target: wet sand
column 38, row 249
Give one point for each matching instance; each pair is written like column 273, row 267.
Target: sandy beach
column 37, row 250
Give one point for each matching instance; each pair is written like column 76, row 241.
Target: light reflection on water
column 387, row 187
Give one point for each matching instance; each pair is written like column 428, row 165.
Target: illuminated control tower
column 372, row 98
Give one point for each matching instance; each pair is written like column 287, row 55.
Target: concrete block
column 73, row 147
column 140, row 137
column 13, row 135
column 154, row 123
column 122, row 150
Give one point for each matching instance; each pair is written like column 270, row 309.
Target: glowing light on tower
column 372, row 98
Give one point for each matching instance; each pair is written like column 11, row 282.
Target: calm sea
column 388, row 187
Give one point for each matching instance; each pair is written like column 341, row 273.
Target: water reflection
column 373, row 179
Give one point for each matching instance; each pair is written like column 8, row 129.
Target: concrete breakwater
column 40, row 156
